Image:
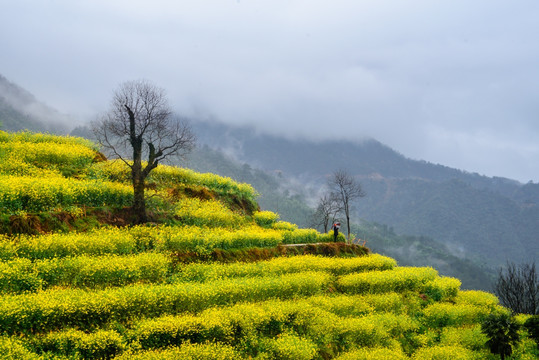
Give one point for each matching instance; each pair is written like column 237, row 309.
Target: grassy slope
column 82, row 288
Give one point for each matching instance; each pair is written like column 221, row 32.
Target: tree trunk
column 346, row 207
column 139, row 203
column 137, row 175
column 348, row 227
column 326, row 223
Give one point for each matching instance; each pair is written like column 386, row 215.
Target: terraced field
column 174, row 289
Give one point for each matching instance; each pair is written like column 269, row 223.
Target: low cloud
column 447, row 82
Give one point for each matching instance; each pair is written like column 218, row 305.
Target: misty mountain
column 316, row 159
column 20, row 110
column 479, row 223
column 488, row 219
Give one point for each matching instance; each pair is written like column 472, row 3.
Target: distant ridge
column 20, row 110
column 365, row 156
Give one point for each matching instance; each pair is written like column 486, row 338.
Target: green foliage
column 444, row 352
column 442, row 288
column 49, row 310
column 502, row 333
column 439, row 315
column 22, row 275
column 133, row 240
column 532, row 326
column 210, row 272
column 289, row 346
column 303, row 236
column 398, row 279
column 186, row 351
column 252, row 254
column 375, row 353
column 102, row 344
column 29, row 137
column 18, row 276
column 477, row 298
column 13, row 349
column 265, row 219
column 31, row 194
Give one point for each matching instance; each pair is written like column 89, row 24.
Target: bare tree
column 326, row 211
column 518, row 288
column 140, row 124
column 346, row 189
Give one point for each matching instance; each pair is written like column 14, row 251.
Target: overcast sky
column 454, row 82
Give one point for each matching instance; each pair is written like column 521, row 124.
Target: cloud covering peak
column 449, row 82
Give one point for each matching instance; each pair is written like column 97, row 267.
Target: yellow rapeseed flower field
column 108, row 292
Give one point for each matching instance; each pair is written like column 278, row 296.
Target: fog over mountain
column 452, row 83
column 20, row 110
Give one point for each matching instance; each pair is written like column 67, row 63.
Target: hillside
column 275, row 193
column 474, row 216
column 20, row 110
column 289, row 199
column 489, row 220
column 479, row 224
column 91, row 289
